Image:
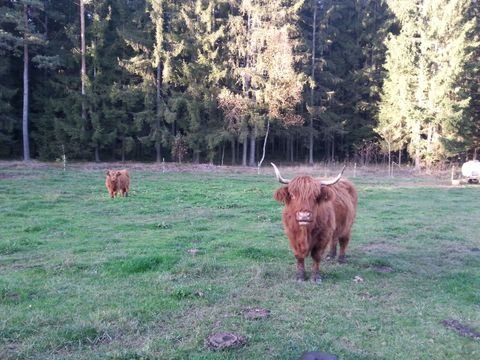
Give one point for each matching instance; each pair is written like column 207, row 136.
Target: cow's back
column 123, row 182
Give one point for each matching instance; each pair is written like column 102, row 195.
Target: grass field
column 151, row 276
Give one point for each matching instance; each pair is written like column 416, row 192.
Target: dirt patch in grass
column 9, row 350
column 461, row 329
column 225, row 340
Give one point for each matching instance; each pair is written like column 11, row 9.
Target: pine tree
column 56, row 102
column 426, row 65
column 203, row 70
column 343, row 88
column 471, row 130
column 156, row 47
column 24, row 37
column 8, row 89
column 258, row 32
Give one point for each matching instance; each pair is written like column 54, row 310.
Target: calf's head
column 304, row 195
column 113, row 175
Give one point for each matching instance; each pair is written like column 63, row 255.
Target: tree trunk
column 333, row 150
column 83, row 70
column 244, row 150
column 264, row 146
column 233, row 151
column 416, row 143
column 314, row 33
column 97, row 153
column 291, row 149
column 223, row 153
column 159, row 113
column 390, row 165
column 253, row 138
column 196, row 156
column 26, row 142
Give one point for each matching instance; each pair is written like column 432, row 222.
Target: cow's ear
column 282, row 195
column 326, row 194
column 107, row 172
column 119, row 173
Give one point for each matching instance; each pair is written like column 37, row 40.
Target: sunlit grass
column 150, row 276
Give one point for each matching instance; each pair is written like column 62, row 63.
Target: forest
column 237, row 81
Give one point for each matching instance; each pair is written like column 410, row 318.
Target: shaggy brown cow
column 117, row 181
column 317, row 214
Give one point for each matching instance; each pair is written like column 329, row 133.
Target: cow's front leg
column 316, row 268
column 300, row 268
column 317, row 253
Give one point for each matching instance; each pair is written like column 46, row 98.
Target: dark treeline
column 233, row 81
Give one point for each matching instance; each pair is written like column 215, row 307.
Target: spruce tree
column 8, row 89
column 426, row 68
column 24, row 37
column 265, row 82
column 204, row 68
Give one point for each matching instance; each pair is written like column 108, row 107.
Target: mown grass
column 150, row 276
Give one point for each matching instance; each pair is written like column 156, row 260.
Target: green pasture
column 151, row 276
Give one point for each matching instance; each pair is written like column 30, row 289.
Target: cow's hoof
column 342, row 259
column 332, row 255
column 300, row 277
column 316, row 278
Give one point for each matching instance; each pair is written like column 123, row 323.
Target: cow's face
column 113, row 175
column 302, row 198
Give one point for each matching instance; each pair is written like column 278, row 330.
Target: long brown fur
column 332, row 210
column 117, row 181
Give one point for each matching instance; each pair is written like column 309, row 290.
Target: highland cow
column 318, row 214
column 117, row 181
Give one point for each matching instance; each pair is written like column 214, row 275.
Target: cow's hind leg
column 342, row 257
column 332, row 254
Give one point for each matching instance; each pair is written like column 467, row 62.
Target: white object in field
column 471, row 169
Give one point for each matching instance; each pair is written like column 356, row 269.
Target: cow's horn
column 334, row 181
column 279, row 176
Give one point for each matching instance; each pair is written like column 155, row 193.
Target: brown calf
column 117, row 181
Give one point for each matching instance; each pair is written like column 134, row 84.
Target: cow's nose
column 304, row 216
